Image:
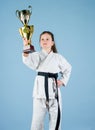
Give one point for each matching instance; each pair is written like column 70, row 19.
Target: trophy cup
column 26, row 31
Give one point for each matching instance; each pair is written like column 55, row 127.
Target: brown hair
column 52, row 36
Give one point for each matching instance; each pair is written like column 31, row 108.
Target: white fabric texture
column 52, row 63
column 39, row 111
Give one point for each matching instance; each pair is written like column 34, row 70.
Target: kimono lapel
column 45, row 58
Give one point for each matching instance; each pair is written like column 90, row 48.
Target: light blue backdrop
column 73, row 24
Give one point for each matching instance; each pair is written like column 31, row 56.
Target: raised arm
column 30, row 59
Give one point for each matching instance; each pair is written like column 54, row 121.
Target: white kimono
column 51, row 63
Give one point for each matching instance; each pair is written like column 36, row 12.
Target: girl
column 46, row 94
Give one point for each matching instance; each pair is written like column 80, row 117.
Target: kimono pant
column 39, row 111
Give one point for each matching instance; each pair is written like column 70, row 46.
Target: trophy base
column 28, row 49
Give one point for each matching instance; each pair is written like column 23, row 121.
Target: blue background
column 73, row 25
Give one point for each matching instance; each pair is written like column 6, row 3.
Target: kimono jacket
column 52, row 63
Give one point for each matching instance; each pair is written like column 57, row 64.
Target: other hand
column 60, row 83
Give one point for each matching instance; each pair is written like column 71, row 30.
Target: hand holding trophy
column 26, row 31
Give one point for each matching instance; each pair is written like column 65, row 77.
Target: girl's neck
column 47, row 50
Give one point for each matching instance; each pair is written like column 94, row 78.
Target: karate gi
column 49, row 63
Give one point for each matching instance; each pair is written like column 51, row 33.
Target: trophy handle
column 30, row 9
column 17, row 13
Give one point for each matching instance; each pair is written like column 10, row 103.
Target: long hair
column 54, row 49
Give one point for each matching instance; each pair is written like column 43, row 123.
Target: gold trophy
column 26, row 31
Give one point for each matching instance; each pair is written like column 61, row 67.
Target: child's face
column 46, row 41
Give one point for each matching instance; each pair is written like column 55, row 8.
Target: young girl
column 46, row 94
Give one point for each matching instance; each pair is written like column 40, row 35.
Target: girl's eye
column 47, row 39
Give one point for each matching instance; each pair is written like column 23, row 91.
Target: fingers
column 60, row 83
column 25, row 54
column 25, row 41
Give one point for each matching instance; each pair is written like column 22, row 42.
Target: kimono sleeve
column 32, row 60
column 65, row 70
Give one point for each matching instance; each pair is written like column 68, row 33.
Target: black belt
column 48, row 75
column 51, row 75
